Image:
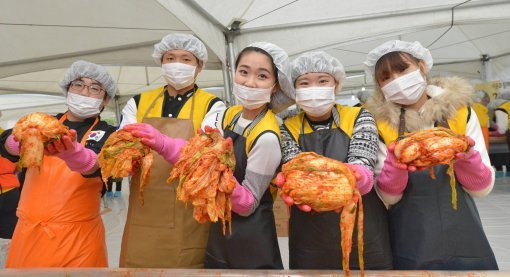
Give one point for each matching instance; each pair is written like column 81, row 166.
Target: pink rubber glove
column 471, row 172
column 394, row 175
column 76, row 156
column 364, row 177
column 280, row 181
column 12, row 145
column 169, row 148
column 242, row 200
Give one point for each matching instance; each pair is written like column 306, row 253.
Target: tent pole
column 230, row 64
column 227, row 90
column 485, row 68
column 117, row 108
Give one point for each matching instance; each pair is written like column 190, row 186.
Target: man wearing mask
column 59, row 221
column 176, row 110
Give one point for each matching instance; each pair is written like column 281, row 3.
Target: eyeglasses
column 94, row 89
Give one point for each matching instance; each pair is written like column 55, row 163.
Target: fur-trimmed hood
column 447, row 95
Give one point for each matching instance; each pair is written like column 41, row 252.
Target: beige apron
column 163, row 233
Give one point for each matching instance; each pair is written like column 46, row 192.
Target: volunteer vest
column 202, row 101
column 482, row 113
column 506, row 107
column 348, row 116
column 267, row 124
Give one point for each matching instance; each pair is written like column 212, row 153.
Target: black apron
column 314, row 238
column 427, row 233
column 253, row 243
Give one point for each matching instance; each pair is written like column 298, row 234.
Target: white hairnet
column 283, row 97
column 315, row 62
column 86, row 69
column 413, row 48
column 180, row 41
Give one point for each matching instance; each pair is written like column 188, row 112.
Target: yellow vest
column 202, row 101
column 482, row 113
column 506, row 107
column 267, row 124
column 348, row 116
column 457, row 124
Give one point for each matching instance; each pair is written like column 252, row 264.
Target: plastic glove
column 471, row 172
column 76, row 156
column 169, row 148
column 364, row 177
column 280, row 181
column 466, row 155
column 242, row 200
column 12, row 145
column 394, row 175
column 150, row 136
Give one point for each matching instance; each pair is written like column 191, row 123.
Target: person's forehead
column 87, row 79
column 314, row 75
column 178, row 52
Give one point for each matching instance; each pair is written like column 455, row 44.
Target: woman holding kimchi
column 346, row 134
column 426, row 232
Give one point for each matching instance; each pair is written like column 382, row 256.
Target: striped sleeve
column 363, row 146
column 290, row 148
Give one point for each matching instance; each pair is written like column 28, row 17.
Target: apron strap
column 443, row 123
column 252, row 125
column 402, row 123
column 153, row 103
column 86, row 135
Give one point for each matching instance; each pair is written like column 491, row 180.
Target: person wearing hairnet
column 262, row 87
column 480, row 101
column 59, row 221
column 347, row 134
column 163, row 233
column 426, row 232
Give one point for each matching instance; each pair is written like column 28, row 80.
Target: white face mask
column 405, row 90
column 316, row 101
column 251, row 98
column 83, row 106
column 179, row 75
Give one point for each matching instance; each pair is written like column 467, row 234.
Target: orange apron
column 163, row 233
column 59, row 218
column 8, row 180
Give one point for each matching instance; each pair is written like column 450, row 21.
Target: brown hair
column 393, row 61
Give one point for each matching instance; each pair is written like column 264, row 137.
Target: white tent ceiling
column 39, row 38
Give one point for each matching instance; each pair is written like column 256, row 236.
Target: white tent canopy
column 51, row 34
